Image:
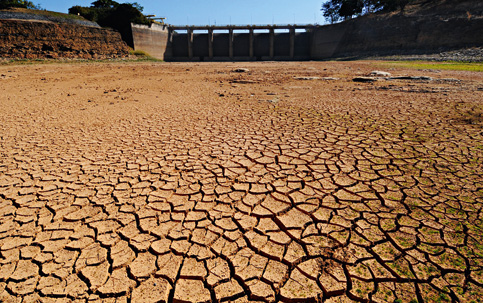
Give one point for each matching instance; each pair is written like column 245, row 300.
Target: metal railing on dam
column 237, row 42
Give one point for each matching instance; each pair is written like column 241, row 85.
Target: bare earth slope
column 33, row 34
column 432, row 30
column 193, row 183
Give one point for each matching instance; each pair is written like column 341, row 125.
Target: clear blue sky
column 198, row 12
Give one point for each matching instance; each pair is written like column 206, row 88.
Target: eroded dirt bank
column 194, row 183
column 31, row 39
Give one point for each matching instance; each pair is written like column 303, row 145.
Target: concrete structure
column 238, row 43
column 151, row 39
column 370, row 35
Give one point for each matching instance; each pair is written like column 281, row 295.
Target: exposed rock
column 241, row 70
column 307, row 78
column 423, row 78
column 431, row 30
column 378, row 73
column 364, row 79
column 27, row 14
column 32, row 40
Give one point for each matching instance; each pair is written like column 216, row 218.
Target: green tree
column 330, row 11
column 336, row 10
column 351, row 8
column 109, row 13
column 17, row 3
column 105, row 4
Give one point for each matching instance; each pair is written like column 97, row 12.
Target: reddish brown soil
column 30, row 39
column 192, row 183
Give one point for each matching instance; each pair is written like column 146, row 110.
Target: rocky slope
column 36, row 39
column 437, row 29
column 43, row 15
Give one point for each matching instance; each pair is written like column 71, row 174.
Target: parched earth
column 289, row 182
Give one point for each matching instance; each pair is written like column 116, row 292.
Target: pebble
column 378, row 73
column 241, row 70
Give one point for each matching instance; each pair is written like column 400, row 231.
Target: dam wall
column 425, row 32
column 369, row 36
column 224, row 43
column 424, row 27
column 366, row 36
column 151, row 39
column 239, row 43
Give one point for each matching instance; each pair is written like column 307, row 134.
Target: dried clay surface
column 287, row 182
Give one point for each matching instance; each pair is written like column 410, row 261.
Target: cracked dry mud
column 192, row 183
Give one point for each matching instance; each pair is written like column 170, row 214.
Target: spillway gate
column 238, row 43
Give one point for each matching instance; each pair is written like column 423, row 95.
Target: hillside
column 43, row 15
column 443, row 9
column 33, row 34
column 445, row 29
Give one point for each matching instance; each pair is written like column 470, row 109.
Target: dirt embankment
column 44, row 15
column 421, row 28
column 37, row 39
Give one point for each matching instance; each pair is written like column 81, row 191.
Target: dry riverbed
column 204, row 182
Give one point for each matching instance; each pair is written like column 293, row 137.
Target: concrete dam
column 366, row 36
column 238, row 43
